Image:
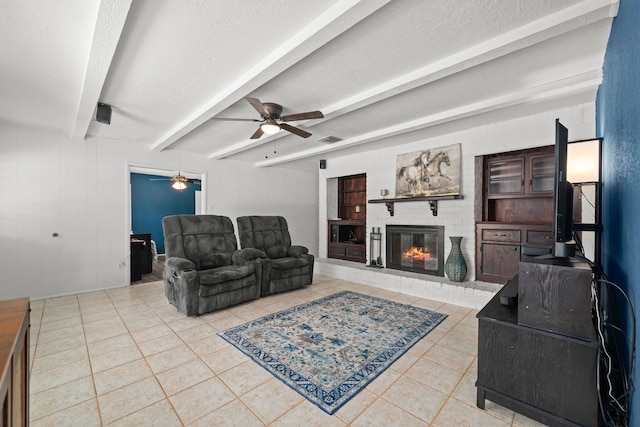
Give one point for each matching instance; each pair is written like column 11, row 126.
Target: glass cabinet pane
column 542, row 174
column 505, row 176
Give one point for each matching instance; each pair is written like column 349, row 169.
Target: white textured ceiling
column 381, row 71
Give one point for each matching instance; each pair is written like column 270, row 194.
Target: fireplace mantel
column 433, row 202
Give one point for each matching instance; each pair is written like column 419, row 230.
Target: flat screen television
column 564, row 245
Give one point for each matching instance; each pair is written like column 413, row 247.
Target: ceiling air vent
column 330, row 139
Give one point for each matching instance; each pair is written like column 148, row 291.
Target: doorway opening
column 153, row 196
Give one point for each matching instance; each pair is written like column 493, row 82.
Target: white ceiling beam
column 588, row 81
column 548, row 27
column 336, row 20
column 112, row 15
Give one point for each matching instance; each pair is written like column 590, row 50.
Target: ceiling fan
column 272, row 121
column 178, row 182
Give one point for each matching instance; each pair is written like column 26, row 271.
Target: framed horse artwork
column 430, row 172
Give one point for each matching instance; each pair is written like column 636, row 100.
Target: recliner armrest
column 241, row 256
column 180, row 264
column 297, row 250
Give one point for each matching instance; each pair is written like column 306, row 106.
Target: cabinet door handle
column 515, row 249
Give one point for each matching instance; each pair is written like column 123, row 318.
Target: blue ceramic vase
column 455, row 266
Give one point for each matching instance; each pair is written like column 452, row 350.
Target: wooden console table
column 14, row 359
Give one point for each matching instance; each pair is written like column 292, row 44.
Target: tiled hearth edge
column 472, row 294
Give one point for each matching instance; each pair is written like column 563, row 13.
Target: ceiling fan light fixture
column 179, row 185
column 270, row 127
column 179, row 182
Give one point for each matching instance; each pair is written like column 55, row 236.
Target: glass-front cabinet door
column 506, row 176
column 542, row 174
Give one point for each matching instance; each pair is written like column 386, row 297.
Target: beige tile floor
column 125, row 357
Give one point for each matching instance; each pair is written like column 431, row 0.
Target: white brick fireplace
column 457, row 216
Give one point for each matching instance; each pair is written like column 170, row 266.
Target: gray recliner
column 289, row 266
column 204, row 269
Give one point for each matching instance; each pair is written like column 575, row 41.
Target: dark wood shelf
column 433, row 201
column 518, row 196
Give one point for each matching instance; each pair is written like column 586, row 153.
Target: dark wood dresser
column 14, row 357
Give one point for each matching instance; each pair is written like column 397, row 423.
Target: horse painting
column 422, row 173
column 414, row 173
column 433, row 168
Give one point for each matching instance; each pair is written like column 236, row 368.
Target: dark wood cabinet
column 541, row 173
column 529, row 172
column 347, row 240
column 537, row 371
column 14, row 359
column 513, row 210
column 498, row 260
column 347, row 235
column 501, row 246
column 505, row 176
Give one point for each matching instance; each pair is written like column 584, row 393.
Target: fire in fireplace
column 417, row 248
column 417, row 254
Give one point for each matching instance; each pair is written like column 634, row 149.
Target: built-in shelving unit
column 347, row 234
column 513, row 210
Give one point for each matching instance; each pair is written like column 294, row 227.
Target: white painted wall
column 457, row 216
column 80, row 190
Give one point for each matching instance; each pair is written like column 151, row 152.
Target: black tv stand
column 547, row 376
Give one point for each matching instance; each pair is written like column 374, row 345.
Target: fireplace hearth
column 417, row 248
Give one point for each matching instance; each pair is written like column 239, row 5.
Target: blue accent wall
column 153, row 200
column 618, row 123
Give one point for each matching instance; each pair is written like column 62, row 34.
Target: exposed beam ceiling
column 379, row 70
column 110, row 22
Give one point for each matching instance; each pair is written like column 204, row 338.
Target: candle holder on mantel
column 384, row 193
column 375, row 248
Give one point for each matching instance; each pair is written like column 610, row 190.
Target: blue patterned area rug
column 331, row 348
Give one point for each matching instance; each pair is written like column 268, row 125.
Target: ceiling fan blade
column 257, row 134
column 302, row 116
column 295, row 130
column 235, row 120
column 255, row 103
